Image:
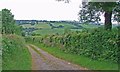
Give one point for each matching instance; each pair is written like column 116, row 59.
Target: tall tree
column 93, row 8
column 8, row 22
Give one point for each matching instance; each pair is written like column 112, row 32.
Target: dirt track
column 42, row 60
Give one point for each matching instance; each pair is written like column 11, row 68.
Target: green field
column 46, row 29
column 42, row 25
column 26, row 26
column 89, row 26
column 66, row 25
column 44, row 32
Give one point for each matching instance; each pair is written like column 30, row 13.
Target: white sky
column 42, row 9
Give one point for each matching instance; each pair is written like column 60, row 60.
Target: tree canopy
column 92, row 10
column 8, row 23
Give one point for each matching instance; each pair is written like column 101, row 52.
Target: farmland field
column 42, row 25
column 89, row 26
column 46, row 29
column 49, row 31
column 66, row 25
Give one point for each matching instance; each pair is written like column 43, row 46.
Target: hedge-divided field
column 15, row 55
column 53, row 28
column 96, row 44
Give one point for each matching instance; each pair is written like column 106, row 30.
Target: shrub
column 15, row 55
column 98, row 44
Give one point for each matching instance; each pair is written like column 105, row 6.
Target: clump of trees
column 8, row 23
column 52, row 26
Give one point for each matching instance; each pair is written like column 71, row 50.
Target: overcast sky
column 42, row 9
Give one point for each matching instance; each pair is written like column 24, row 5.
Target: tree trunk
column 108, row 23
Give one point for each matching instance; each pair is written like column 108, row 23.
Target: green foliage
column 117, row 12
column 18, row 30
column 44, row 32
column 44, row 29
column 15, row 55
column 97, row 44
column 67, row 30
column 8, row 23
column 80, row 60
column 92, row 11
column 0, row 21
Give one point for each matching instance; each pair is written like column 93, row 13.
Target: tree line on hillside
column 32, row 22
column 52, row 26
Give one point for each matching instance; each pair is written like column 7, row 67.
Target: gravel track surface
column 42, row 60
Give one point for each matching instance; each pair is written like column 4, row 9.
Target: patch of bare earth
column 42, row 60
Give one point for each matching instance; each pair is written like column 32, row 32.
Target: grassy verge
column 80, row 60
column 15, row 55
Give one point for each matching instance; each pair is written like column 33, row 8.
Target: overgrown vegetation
column 96, row 44
column 8, row 23
column 15, row 55
column 78, row 59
